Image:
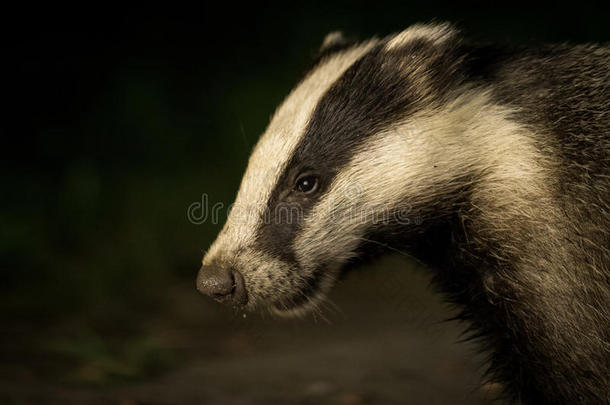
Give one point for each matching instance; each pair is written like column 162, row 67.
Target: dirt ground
column 382, row 340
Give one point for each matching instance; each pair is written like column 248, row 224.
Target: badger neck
column 514, row 260
column 470, row 173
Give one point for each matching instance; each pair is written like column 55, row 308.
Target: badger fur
column 490, row 164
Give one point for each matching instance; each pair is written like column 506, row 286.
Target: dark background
column 116, row 119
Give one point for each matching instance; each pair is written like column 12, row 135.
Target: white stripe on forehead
column 277, row 144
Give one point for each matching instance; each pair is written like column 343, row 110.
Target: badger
column 488, row 163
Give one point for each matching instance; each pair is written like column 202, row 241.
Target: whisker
column 243, row 135
column 392, row 248
column 333, row 307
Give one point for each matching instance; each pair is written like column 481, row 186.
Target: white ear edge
column 332, row 39
column 437, row 33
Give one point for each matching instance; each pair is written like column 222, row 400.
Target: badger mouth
column 304, row 299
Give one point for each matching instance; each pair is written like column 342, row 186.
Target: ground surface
column 384, row 341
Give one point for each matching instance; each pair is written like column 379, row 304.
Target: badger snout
column 224, row 284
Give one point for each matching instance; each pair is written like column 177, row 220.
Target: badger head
column 342, row 158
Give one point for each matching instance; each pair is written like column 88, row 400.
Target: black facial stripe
column 374, row 93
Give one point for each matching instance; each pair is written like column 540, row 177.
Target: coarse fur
column 490, row 164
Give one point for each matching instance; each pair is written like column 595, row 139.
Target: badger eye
column 307, row 184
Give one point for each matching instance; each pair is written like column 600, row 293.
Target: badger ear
column 333, row 39
column 334, row 42
column 436, row 34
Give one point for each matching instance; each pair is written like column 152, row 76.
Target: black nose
column 222, row 283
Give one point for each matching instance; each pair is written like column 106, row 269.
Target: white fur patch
column 435, row 33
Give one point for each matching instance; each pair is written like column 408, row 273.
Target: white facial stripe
column 436, row 33
column 372, row 182
column 276, row 147
column 405, row 162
